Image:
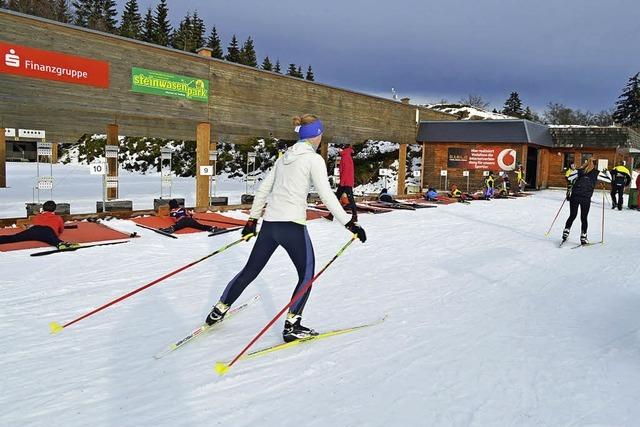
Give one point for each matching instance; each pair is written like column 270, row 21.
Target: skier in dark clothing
column 183, row 218
column 386, row 197
column 287, row 186
column 347, row 180
column 45, row 227
column 620, row 178
column 584, row 182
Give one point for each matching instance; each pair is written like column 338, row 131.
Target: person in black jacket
column 584, row 182
column 620, row 178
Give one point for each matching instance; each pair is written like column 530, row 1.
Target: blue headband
column 310, row 130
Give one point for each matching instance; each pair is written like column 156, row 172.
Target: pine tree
column 266, row 64
column 82, row 11
column 627, row 111
column 291, row 71
column 233, row 53
column 310, row 75
column 197, row 31
column 162, row 26
column 248, row 54
column 513, row 106
column 148, row 27
column 181, row 37
column 215, row 44
column 299, row 72
column 276, row 68
column 62, row 11
column 3, row 5
column 109, row 13
column 131, row 25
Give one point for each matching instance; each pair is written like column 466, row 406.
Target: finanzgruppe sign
column 44, row 64
column 167, row 84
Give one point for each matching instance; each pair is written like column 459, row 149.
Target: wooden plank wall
column 243, row 101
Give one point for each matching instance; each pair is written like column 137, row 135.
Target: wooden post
column 424, row 159
column 3, row 159
column 402, row 168
column 203, row 141
column 54, row 152
column 324, row 150
column 112, row 139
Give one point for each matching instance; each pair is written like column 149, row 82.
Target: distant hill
column 467, row 112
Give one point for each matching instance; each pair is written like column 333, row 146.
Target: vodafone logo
column 47, row 65
column 507, row 159
column 11, row 59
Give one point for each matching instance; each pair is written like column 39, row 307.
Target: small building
column 462, row 152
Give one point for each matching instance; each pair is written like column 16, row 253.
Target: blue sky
column 577, row 52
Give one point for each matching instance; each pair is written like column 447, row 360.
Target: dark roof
column 489, row 131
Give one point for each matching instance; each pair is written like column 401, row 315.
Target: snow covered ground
column 73, row 184
column 490, row 324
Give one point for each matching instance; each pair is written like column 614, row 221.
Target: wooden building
column 468, row 149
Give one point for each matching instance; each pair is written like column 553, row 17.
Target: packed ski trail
column 490, row 323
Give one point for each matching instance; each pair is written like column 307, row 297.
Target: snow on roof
column 467, row 112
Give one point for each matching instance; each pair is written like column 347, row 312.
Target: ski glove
column 353, row 227
column 250, row 228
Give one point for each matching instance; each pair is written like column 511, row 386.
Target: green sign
column 167, row 84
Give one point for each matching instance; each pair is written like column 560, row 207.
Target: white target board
column 443, row 173
column 206, row 170
column 45, row 183
column 465, row 173
column 98, row 168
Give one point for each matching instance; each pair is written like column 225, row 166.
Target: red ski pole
column 56, row 327
column 222, row 368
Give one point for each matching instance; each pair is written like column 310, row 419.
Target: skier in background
column 347, row 179
column 620, row 178
column 458, row 194
column 45, row 227
column 489, row 185
column 183, row 218
column 506, row 185
column 570, row 171
column 638, row 188
column 520, row 182
column 287, row 186
column 431, row 194
column 384, row 196
column 584, row 182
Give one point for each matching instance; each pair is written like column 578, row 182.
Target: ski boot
column 62, row 246
column 565, row 235
column 583, row 239
column 293, row 330
column 217, row 313
column 169, row 230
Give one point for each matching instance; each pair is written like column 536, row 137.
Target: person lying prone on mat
column 45, row 227
column 183, row 218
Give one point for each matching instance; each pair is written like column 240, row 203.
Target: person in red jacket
column 45, row 227
column 347, row 180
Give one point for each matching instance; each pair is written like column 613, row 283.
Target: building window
column 585, row 156
column 569, row 158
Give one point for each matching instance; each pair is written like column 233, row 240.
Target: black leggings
column 352, row 201
column 40, row 233
column 187, row 221
column 294, row 238
column 584, row 204
column 619, row 191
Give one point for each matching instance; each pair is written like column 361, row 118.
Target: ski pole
column 554, row 219
column 56, row 327
column 222, row 368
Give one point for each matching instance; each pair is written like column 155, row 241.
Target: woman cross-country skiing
column 584, row 182
column 286, row 186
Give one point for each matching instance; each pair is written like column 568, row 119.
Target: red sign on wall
column 44, row 64
column 495, row 159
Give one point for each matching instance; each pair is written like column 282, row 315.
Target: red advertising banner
column 490, row 158
column 44, row 64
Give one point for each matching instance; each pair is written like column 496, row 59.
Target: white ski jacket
column 287, row 185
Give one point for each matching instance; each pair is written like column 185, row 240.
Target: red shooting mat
column 208, row 218
column 85, row 233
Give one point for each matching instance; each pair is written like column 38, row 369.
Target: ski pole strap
column 222, row 368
